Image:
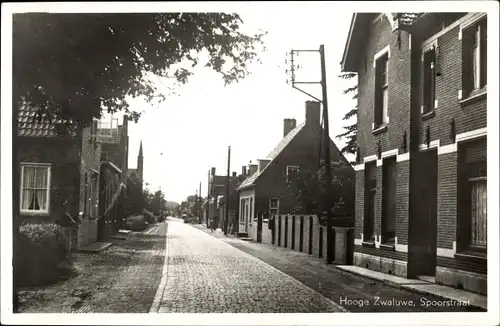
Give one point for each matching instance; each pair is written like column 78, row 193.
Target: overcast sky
column 187, row 134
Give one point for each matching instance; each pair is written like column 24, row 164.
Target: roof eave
column 343, row 63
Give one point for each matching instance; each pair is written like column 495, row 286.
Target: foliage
column 350, row 131
column 309, row 186
column 72, row 65
column 44, row 254
column 136, row 223
column 156, row 202
column 136, row 201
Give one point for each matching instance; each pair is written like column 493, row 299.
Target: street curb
column 155, row 306
column 330, row 301
column 406, row 287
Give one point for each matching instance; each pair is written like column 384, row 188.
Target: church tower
column 140, row 162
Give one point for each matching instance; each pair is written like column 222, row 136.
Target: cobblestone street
column 205, row 274
column 358, row 294
column 122, row 278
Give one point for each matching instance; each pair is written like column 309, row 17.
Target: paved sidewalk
column 121, row 279
column 423, row 287
column 205, row 274
column 355, row 293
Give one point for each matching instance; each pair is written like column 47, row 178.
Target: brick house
column 265, row 190
column 422, row 95
column 234, row 182
column 59, row 175
column 114, row 170
column 217, row 187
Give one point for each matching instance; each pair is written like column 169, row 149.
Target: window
column 472, row 200
column 274, row 207
column 370, row 195
column 291, row 171
column 251, row 209
column 478, row 199
column 246, row 209
column 35, row 186
column 389, row 200
column 242, row 210
column 381, row 90
column 429, row 80
column 474, row 57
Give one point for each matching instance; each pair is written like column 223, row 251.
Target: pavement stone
column 355, row 293
column 121, row 279
column 207, row 275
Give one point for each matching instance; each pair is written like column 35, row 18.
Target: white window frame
column 277, row 208
column 471, row 181
column 429, row 45
column 48, row 166
column 242, row 210
column 385, row 87
column 467, row 23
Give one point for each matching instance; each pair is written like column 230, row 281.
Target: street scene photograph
column 270, row 159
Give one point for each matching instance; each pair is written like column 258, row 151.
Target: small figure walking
column 213, row 225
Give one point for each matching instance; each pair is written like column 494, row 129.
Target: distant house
column 234, row 182
column 265, row 190
column 58, row 174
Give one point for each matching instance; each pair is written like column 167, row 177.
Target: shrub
column 136, row 223
column 44, row 254
column 150, row 217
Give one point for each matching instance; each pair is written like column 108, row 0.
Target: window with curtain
column 35, row 186
column 478, row 205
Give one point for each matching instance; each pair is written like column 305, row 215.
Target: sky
column 187, row 134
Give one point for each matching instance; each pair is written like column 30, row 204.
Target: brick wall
column 402, row 200
column 302, row 151
column 467, row 116
column 447, row 200
column 360, row 204
column 63, row 155
column 90, row 163
column 380, row 36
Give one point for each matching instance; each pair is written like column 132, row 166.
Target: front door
column 425, row 226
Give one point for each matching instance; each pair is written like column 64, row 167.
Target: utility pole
column 227, row 189
column 208, row 200
column 326, row 133
column 199, row 205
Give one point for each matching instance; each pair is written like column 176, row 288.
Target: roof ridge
column 283, row 143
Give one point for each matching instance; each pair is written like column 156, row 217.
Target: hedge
column 44, row 255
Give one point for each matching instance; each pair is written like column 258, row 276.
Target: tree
column 308, row 187
column 351, row 130
column 72, row 65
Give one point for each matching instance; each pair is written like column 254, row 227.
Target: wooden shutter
column 484, row 52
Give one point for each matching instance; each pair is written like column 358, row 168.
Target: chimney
column 288, row 125
column 234, row 174
column 252, row 168
column 244, row 171
column 213, row 171
column 313, row 113
column 263, row 164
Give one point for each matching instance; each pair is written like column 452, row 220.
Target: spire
column 140, row 150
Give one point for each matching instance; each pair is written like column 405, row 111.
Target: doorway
column 424, row 226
